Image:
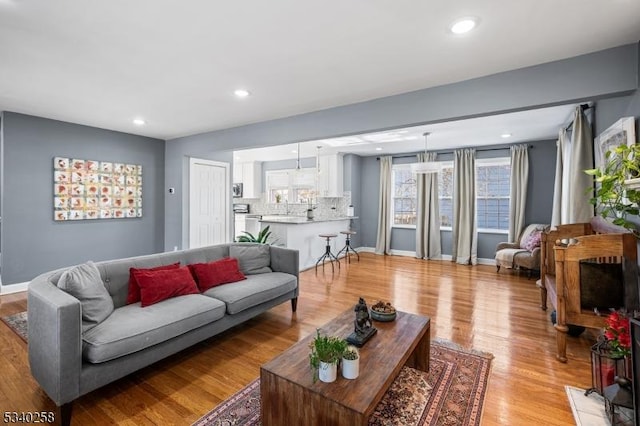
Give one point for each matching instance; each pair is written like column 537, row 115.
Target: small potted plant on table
column 326, row 351
column 350, row 363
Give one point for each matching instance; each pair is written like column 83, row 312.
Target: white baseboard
column 13, row 288
column 406, row 253
column 366, row 249
column 446, row 257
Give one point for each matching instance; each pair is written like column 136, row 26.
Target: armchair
column 524, row 253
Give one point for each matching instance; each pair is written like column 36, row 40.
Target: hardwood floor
column 472, row 306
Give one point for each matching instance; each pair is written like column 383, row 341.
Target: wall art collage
column 88, row 189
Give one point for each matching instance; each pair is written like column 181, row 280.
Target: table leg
column 419, row 359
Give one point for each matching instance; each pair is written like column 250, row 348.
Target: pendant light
column 425, row 167
column 318, row 171
column 298, row 163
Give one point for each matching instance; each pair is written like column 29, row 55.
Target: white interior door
column 208, row 203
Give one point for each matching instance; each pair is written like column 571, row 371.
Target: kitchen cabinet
column 250, row 175
column 246, row 222
column 330, row 178
column 301, row 234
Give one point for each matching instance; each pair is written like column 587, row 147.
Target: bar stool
column 347, row 246
column 327, row 254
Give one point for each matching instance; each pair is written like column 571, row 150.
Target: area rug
column 17, row 323
column 452, row 393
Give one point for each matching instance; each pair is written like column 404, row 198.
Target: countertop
column 301, row 220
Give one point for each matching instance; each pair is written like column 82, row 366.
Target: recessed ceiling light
column 139, row 122
column 295, row 151
column 505, row 135
column 378, row 149
column 463, row 25
column 241, row 93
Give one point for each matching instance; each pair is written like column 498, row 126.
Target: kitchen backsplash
column 323, row 207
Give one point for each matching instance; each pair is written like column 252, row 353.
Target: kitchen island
column 300, row 233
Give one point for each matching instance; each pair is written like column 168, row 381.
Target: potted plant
column 614, row 198
column 350, row 363
column 261, row 237
column 326, row 351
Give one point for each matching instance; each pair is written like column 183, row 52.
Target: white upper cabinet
column 250, row 175
column 330, row 178
column 237, row 172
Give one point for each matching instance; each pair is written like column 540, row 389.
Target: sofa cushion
column 253, row 258
column 159, row 285
column 532, row 241
column 133, row 295
column 115, row 273
column 132, row 328
column 253, row 291
column 218, row 272
column 84, row 283
column 505, row 257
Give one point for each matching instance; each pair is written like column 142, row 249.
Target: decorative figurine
column 363, row 329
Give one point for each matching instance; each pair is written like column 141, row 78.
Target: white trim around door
column 209, row 193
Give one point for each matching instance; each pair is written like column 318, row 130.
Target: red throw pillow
column 218, row 272
column 134, row 289
column 156, row 286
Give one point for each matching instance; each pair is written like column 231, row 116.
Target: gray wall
column 353, row 183
column 610, row 110
column 608, row 73
column 32, row 242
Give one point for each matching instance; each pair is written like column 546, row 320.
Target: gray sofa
column 68, row 363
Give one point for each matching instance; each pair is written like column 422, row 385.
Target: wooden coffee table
column 289, row 396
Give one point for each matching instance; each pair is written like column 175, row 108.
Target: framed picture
column 622, row 132
column 91, row 189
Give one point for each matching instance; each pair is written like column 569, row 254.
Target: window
column 492, row 194
column 445, row 194
column 293, row 186
column 493, row 186
column 404, row 196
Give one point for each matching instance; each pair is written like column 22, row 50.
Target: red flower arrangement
column 617, row 334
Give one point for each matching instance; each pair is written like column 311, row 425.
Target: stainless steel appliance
column 245, row 221
column 236, row 188
column 239, row 208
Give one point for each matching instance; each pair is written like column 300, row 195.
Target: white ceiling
column 176, row 64
column 534, row 125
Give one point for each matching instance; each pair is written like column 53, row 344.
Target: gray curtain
column 464, row 226
column 518, row 191
column 383, row 241
column 428, row 220
column 580, row 184
column 558, row 203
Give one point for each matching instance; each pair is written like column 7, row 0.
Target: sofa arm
column 285, row 260
column 535, row 254
column 502, row 246
column 55, row 341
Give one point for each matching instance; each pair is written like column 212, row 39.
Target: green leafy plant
column 327, row 349
column 613, row 199
column 261, row 237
